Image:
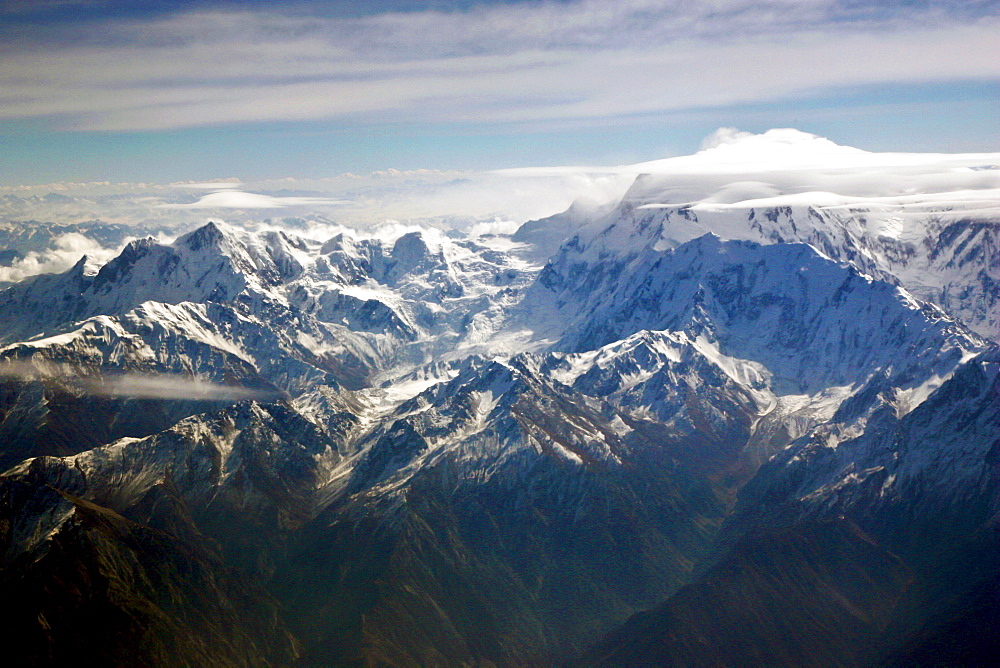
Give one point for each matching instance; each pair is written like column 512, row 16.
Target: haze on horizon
column 734, row 170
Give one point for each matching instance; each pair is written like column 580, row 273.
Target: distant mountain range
column 755, row 425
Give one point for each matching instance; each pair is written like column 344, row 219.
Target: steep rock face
column 938, row 252
column 487, row 507
column 816, row 594
column 424, row 294
column 812, row 323
column 659, row 375
column 104, row 586
column 138, row 373
column 929, row 472
column 209, row 264
column 248, row 463
column 162, row 546
column 965, row 260
column 922, row 486
column 27, row 308
column 506, row 519
column 674, row 388
column 49, row 418
column 507, row 516
column 250, row 275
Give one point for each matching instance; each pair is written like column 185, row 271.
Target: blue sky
column 162, row 91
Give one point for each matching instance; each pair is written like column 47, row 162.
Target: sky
column 157, row 91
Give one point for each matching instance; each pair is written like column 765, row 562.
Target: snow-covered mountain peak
column 410, row 253
column 928, row 222
column 785, row 306
column 213, row 234
column 86, row 267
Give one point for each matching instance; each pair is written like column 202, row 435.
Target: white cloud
column 737, row 167
column 494, row 227
column 64, row 252
column 168, row 386
column 452, row 198
column 449, row 198
column 134, row 385
column 483, row 196
column 723, row 136
column 548, row 61
column 784, row 166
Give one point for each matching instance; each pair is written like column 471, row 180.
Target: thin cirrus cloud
column 137, row 385
column 503, row 63
column 167, row 386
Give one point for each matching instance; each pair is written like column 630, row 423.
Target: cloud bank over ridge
column 779, row 167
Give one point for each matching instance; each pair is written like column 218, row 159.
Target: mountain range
column 720, row 421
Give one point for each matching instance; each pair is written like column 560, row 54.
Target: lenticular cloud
column 231, row 198
column 785, row 166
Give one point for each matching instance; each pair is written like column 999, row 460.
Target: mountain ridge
column 706, row 422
